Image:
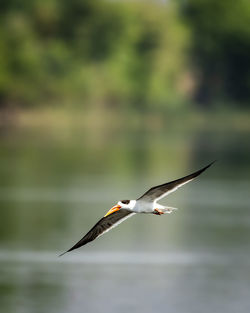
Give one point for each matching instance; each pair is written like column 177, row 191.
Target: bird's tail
column 168, row 209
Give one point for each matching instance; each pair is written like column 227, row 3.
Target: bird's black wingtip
column 210, row 164
column 62, row 254
column 203, row 169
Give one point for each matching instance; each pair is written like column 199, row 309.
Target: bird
column 147, row 203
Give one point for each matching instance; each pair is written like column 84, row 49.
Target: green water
column 56, row 184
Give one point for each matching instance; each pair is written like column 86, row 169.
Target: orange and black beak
column 112, row 210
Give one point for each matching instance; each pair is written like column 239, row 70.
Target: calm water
column 55, row 185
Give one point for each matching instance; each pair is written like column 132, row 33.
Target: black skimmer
column 147, row 203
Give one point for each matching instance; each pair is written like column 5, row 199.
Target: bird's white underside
column 164, row 210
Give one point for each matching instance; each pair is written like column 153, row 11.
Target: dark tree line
column 221, row 49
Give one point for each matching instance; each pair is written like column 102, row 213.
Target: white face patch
column 127, row 204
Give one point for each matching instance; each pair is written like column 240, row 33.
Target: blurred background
column 100, row 100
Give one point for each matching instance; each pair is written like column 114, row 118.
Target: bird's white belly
column 144, row 207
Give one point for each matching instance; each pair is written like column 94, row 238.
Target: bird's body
column 147, row 203
column 141, row 206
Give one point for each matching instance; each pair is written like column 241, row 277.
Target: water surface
column 54, row 187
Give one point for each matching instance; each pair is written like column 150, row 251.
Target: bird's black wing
column 102, row 226
column 158, row 192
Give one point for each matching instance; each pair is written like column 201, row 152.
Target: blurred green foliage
column 90, row 52
column 136, row 55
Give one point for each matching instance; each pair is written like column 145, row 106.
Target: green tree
column 91, row 53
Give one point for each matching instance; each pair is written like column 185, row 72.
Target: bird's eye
column 125, row 201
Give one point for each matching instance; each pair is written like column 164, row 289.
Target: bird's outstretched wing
column 102, row 226
column 158, row 192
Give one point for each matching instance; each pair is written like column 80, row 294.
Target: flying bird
column 124, row 209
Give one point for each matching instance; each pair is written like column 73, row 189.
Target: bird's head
column 122, row 204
